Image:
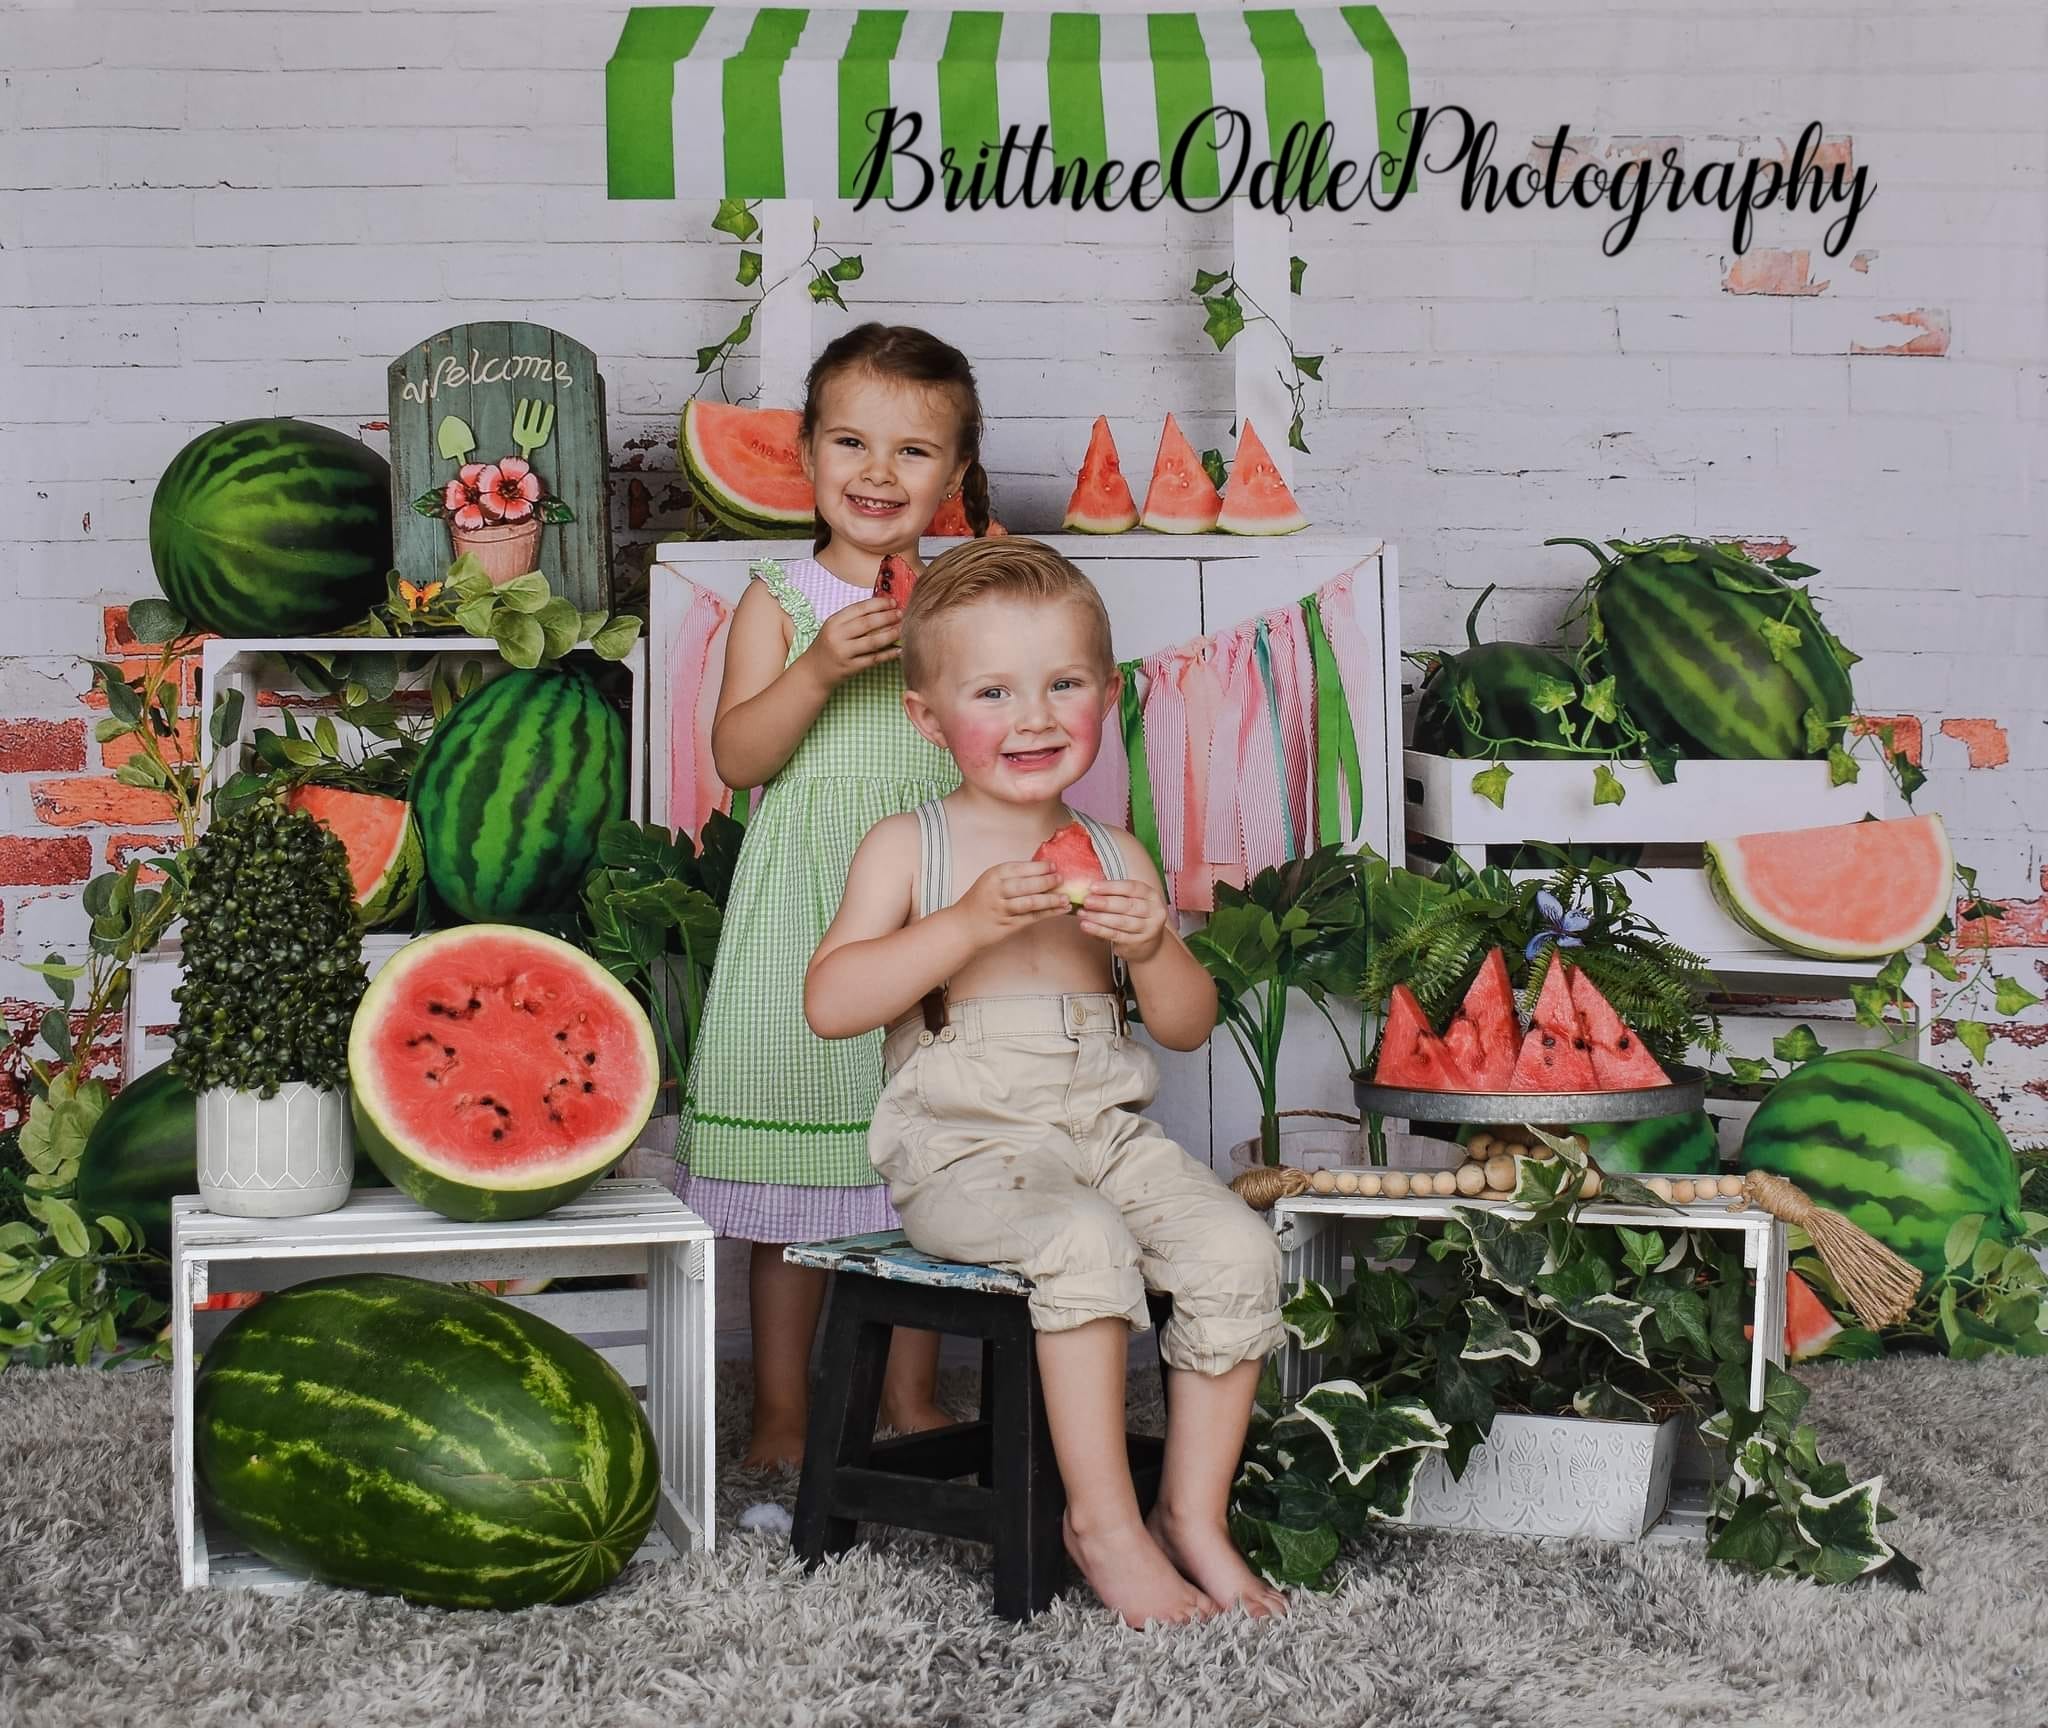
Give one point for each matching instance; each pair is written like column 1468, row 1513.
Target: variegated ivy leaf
column 1607, row 786
column 1362, row 1433
column 1508, row 1257
column 1539, row 1182
column 1614, row 1318
column 1599, row 701
column 1750, row 1462
column 1843, row 1527
column 1608, row 1403
column 1393, row 1485
column 1489, row 1335
column 1552, row 694
column 1781, row 639
column 1310, row 1315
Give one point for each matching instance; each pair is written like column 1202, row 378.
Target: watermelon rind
column 387, row 1434
column 395, row 882
column 1101, row 502
column 272, row 528
column 464, row 1193
column 1896, row 1147
column 1256, row 500
column 723, row 492
column 512, row 791
column 1917, row 913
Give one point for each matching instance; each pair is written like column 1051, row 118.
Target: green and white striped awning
column 773, row 102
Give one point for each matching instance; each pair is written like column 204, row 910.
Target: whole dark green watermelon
column 1511, row 700
column 421, row 1440
column 1892, row 1145
column 272, row 528
column 1681, row 1145
column 512, row 790
column 1714, row 654
column 14, row 1171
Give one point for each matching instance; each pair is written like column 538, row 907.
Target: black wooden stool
column 1015, row 1499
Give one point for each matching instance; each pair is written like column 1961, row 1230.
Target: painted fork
column 532, row 421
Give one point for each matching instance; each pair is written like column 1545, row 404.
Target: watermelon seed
column 590, row 1058
column 590, row 1085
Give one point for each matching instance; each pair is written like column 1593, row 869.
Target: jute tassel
column 1880, row 1286
column 1258, row 1188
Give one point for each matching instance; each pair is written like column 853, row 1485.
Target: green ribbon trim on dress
column 1262, row 652
column 1144, row 816
column 1336, row 744
column 740, row 802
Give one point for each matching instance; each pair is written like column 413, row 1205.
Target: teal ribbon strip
column 1262, row 653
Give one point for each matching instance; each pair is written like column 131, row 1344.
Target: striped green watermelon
column 1893, row 1145
column 272, row 528
column 512, row 790
column 1714, row 654
column 1681, row 1145
column 1510, row 700
column 420, row 1440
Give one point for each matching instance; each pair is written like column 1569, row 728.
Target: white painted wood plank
column 784, row 321
column 1261, row 354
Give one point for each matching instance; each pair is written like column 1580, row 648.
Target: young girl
column 773, row 1147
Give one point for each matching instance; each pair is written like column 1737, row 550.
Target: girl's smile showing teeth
column 873, row 506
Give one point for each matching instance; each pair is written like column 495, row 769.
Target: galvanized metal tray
column 1687, row 1092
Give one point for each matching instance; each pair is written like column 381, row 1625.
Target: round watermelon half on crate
column 495, row 1072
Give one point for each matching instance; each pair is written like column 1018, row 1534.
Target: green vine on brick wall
column 1230, row 311
column 826, row 266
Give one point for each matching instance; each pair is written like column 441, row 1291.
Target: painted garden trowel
column 454, row 440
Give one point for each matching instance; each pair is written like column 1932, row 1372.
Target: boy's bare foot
column 1205, row 1552
column 1131, row 1573
column 774, row 1445
column 915, row 1418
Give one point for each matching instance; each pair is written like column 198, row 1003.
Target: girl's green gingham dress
column 773, row 1145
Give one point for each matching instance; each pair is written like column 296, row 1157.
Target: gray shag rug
column 1427, row 1631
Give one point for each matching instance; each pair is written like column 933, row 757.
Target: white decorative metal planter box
column 1554, row 1476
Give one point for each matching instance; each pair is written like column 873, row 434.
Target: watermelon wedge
column 384, row 858
column 951, row 523
column 1485, row 1034
column 1072, row 854
column 896, row 581
column 1255, row 499
column 1810, row 1325
column 1411, row 1054
column 1855, row 891
column 1182, row 499
column 745, row 469
column 1102, row 501
column 1554, row 1056
column 1620, row 1063
column 495, row 1072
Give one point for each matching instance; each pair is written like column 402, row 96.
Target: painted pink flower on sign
column 463, row 499
column 510, row 489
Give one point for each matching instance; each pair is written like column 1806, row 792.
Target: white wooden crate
column 256, row 668
column 1316, row 1232
column 659, row 1339
column 1160, row 589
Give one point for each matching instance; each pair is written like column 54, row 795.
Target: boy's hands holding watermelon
column 1007, row 897
column 1129, row 916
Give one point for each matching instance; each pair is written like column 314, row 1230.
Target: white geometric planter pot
column 1554, row 1476
column 280, row 1157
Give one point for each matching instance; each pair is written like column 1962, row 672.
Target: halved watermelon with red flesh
column 1620, row 1063
column 1072, row 853
column 1102, row 501
column 495, row 1072
column 1411, row 1054
column 1554, row 1056
column 746, row 468
column 1810, row 1325
column 383, row 846
column 1854, row 891
column 1496, row 1030
column 951, row 523
column 896, row 580
column 1182, row 499
column 1255, row 499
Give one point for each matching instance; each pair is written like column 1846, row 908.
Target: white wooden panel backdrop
column 1160, row 590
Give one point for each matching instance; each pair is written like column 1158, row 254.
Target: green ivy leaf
column 1607, row 785
column 734, row 217
column 1781, row 639
column 1939, row 961
column 846, row 270
column 1843, row 1527
column 1225, row 320
column 1975, row 1037
column 1509, row 1257
column 1911, row 775
column 750, row 268
column 1599, row 701
column 1461, row 1393
column 2013, row 997
column 1212, row 465
column 155, row 621
column 1297, row 268
column 1208, row 280
column 1602, row 1401
column 1548, row 695
column 1492, row 784
column 1819, row 734
column 1641, row 1250
column 1842, row 769
column 1797, row 1046
column 1756, row 1535
column 1309, row 366
column 1614, row 1318
column 1295, row 440
column 1663, row 760
column 708, row 356
column 823, row 288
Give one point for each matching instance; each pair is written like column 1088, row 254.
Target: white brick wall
column 212, row 211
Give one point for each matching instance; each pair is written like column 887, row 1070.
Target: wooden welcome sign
column 498, row 450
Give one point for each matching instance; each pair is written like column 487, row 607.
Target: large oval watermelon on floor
column 513, row 789
column 141, row 1154
column 272, row 528
column 1893, row 1145
column 419, row 1440
column 1851, row 891
column 1681, row 1145
column 1716, row 655
column 495, row 1072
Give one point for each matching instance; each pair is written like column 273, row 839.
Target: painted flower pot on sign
column 1554, row 1476
column 506, row 550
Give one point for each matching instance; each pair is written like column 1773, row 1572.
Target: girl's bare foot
column 774, row 1445
column 918, row 1417
column 1205, row 1552
column 1131, row 1573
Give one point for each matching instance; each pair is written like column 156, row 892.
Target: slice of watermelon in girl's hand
column 1072, row 854
column 896, row 581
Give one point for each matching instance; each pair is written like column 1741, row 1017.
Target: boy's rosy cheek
column 977, row 743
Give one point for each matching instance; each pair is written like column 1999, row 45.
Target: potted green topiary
column 273, row 973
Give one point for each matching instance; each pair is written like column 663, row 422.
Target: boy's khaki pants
column 1010, row 1137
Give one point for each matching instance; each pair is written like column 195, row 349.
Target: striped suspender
column 1111, row 857
column 934, row 890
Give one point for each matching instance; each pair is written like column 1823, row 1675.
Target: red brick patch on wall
column 1931, row 323
column 44, row 863
column 99, row 803
column 1985, row 740
column 2025, row 925
column 42, row 746
column 1906, row 731
column 1771, row 270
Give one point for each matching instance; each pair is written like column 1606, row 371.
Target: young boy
column 1009, row 1129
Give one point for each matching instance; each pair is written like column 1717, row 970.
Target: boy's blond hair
column 1006, row 568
